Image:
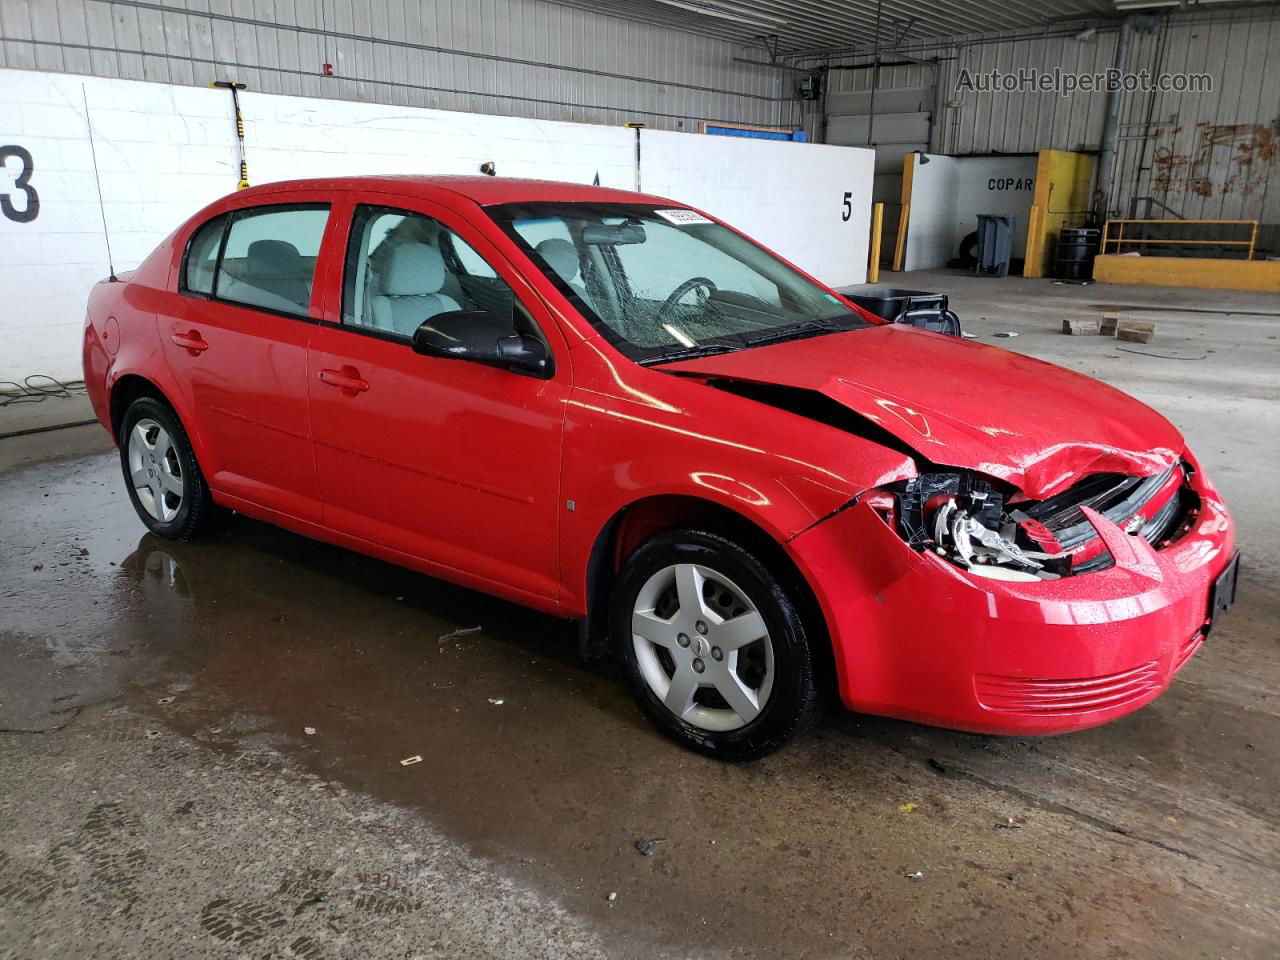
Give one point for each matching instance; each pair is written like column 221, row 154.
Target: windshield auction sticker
column 681, row 218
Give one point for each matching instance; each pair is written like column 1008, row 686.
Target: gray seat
column 562, row 258
column 409, row 287
column 277, row 267
column 275, row 277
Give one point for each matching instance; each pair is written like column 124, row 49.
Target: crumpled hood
column 964, row 404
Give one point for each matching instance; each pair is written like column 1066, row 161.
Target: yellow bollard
column 877, row 227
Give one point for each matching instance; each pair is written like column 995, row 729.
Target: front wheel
column 714, row 645
column 160, row 471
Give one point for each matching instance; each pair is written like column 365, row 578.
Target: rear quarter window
column 202, row 257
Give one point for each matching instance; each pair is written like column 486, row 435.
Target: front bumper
column 918, row 638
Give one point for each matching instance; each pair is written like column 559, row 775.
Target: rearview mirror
column 482, row 337
column 611, row 234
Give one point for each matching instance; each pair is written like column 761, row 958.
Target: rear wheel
column 161, row 474
column 714, row 645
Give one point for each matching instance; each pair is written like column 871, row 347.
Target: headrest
column 412, row 270
column 560, row 256
column 274, row 258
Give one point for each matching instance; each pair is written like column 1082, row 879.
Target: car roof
column 483, row 190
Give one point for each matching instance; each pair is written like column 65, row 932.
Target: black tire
column 197, row 513
column 797, row 696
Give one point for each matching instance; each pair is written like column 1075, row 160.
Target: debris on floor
column 646, row 846
column 309, row 731
column 908, row 806
column 459, row 634
column 408, row 761
column 613, row 895
column 1080, row 327
column 916, row 875
column 1135, row 331
column 1005, row 333
column 165, row 700
column 1108, row 325
column 496, row 701
column 936, row 767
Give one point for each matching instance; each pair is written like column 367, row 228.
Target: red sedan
column 616, row 409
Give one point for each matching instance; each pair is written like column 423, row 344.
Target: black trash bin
column 915, row 307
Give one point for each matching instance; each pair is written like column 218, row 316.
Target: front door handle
column 347, row 380
column 190, row 341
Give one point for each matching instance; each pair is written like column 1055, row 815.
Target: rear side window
column 269, row 257
column 202, row 257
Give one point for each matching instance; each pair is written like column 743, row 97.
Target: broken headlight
column 963, row 518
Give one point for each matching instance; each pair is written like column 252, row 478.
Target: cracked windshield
column 666, row 284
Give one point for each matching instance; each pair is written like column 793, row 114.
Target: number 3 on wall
column 23, row 182
column 846, row 210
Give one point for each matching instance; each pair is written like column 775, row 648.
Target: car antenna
column 102, row 208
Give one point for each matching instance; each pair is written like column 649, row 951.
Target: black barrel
column 1077, row 246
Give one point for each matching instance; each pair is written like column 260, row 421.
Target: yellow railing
column 1120, row 238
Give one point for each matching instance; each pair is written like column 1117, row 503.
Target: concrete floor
column 162, row 794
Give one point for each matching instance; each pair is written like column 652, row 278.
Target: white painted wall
column 948, row 193
column 164, row 151
column 790, row 200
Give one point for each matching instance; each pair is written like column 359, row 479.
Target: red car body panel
column 511, row 484
column 964, row 404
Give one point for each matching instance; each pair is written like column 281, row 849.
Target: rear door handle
column 347, row 380
column 190, row 341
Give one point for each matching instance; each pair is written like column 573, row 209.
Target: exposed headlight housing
column 962, row 517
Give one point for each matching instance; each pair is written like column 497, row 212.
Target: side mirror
column 482, row 337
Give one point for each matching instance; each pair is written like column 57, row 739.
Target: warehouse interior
column 257, row 744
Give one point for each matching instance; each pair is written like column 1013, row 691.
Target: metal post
column 875, row 78
column 1111, row 126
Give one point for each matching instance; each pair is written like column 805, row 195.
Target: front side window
column 404, row 268
column 269, row 257
column 662, row 283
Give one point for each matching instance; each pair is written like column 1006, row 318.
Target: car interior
column 272, row 275
column 409, row 268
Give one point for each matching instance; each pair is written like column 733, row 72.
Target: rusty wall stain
column 1224, row 158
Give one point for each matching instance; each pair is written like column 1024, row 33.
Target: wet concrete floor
column 202, row 744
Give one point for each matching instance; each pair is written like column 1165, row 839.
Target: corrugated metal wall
column 516, row 57
column 1203, row 155
column 1207, row 155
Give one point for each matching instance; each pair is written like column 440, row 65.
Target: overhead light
column 724, row 11
column 1153, row 4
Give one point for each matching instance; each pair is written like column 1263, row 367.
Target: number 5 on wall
column 23, row 182
column 846, row 210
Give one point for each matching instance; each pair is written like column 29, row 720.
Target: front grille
column 1053, row 697
column 1159, row 504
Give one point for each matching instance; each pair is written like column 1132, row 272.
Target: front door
column 447, row 460
column 236, row 335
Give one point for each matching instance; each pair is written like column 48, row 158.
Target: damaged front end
column 993, row 531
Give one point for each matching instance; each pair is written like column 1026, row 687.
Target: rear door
column 236, row 335
column 451, row 461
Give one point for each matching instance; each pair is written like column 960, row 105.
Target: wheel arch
column 128, row 388
column 637, row 521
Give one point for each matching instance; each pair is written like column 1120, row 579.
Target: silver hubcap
column 155, row 471
column 702, row 647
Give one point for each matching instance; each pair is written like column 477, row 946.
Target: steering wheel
column 691, row 284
